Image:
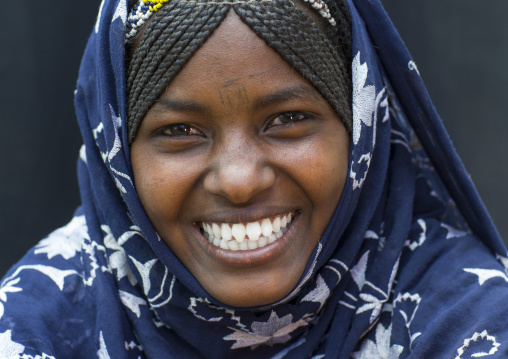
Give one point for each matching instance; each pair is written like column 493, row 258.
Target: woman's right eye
column 180, row 130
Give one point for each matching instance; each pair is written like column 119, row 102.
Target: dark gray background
column 40, row 53
column 461, row 50
column 460, row 47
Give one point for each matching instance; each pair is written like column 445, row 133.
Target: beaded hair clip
column 143, row 9
column 323, row 10
column 140, row 13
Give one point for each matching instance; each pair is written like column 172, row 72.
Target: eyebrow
column 181, row 106
column 297, row 92
column 300, row 91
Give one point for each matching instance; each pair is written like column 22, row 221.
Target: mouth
column 246, row 236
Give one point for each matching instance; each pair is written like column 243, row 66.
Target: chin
column 253, row 292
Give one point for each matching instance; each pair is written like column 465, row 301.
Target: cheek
column 162, row 186
column 322, row 172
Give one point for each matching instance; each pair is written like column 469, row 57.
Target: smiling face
column 239, row 166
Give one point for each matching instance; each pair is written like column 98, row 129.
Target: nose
column 239, row 171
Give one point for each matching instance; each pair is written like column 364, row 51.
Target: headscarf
column 406, row 268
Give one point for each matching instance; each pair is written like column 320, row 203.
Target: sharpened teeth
column 245, row 236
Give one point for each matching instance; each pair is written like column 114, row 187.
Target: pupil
column 182, row 129
column 289, row 117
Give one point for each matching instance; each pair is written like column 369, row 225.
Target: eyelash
column 283, row 119
column 291, row 116
column 184, row 128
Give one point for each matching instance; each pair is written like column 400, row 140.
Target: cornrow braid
column 299, row 41
column 162, row 42
column 146, row 44
column 342, row 33
column 163, row 50
column 175, row 32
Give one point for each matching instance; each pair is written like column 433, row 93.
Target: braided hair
column 321, row 53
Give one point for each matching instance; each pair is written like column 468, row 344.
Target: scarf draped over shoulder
column 410, row 265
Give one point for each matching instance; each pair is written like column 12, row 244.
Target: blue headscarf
column 409, row 266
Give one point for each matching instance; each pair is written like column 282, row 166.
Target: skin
column 239, row 136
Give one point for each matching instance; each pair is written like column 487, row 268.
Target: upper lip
column 244, row 215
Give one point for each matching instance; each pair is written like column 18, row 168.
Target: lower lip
column 252, row 257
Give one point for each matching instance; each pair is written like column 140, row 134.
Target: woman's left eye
column 288, row 118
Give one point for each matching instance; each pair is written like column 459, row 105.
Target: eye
column 288, row 118
column 180, row 130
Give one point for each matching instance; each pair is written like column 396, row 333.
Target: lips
column 246, row 236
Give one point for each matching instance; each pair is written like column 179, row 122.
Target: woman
column 261, row 179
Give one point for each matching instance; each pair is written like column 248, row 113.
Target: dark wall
column 39, row 138
column 461, row 49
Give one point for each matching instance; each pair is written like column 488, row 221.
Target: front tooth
column 225, row 231
column 238, row 231
column 243, row 245
column 272, row 238
column 266, row 227
column 276, row 225
column 224, row 244
column 283, row 222
column 233, row 245
column 263, row 241
column 216, row 230
column 253, row 230
column 252, row 244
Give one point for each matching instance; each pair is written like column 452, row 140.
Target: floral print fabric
column 409, row 267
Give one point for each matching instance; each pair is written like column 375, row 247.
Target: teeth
column 276, row 224
column 233, row 245
column 262, row 241
column 283, row 221
column 225, row 230
column 216, row 230
column 253, row 230
column 252, row 244
column 238, row 232
column 272, row 238
column 266, row 227
column 252, row 235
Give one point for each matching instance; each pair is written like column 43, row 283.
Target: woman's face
column 238, row 143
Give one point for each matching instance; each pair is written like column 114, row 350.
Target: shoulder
column 44, row 297
column 452, row 298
